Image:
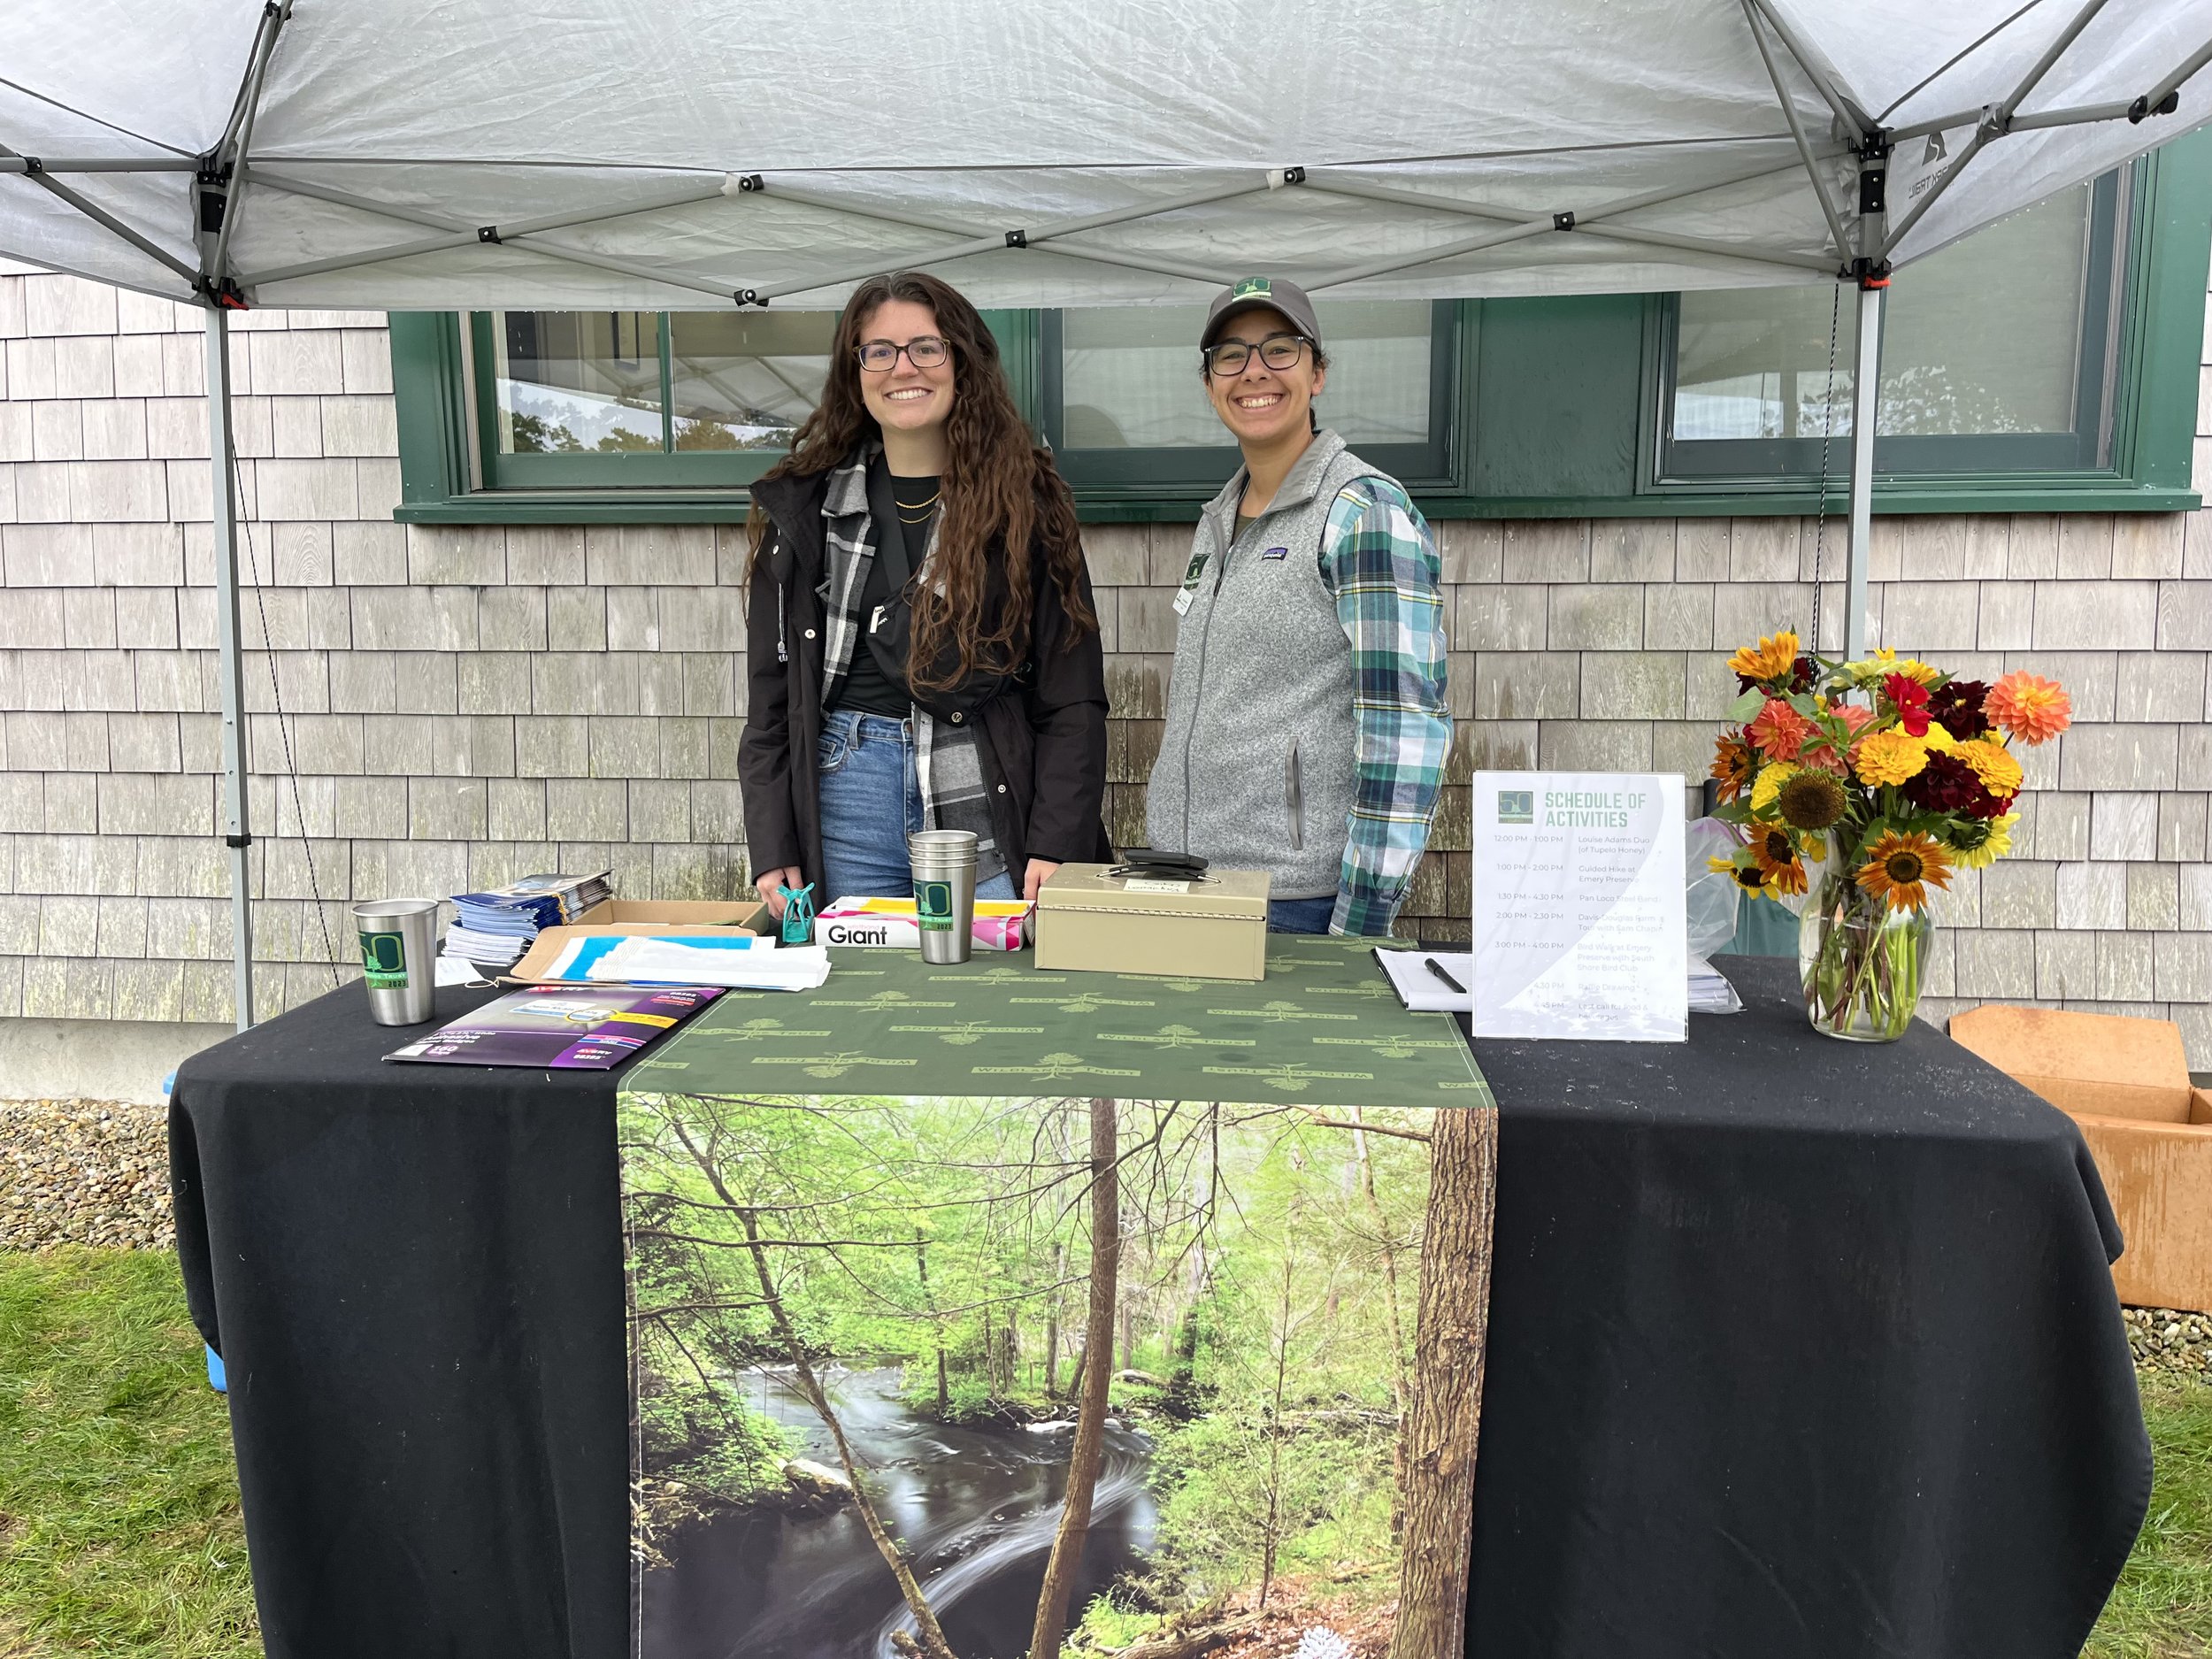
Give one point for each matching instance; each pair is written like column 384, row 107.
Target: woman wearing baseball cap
column 1307, row 728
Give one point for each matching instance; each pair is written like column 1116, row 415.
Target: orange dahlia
column 2032, row 709
column 1771, row 659
column 1732, row 765
column 1902, row 868
column 1779, row 730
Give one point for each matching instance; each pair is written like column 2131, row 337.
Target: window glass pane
column 570, row 382
column 745, row 379
column 1984, row 337
column 1131, row 378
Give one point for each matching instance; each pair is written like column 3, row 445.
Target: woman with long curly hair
column 923, row 649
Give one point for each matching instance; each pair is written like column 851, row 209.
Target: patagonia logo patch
column 1276, row 553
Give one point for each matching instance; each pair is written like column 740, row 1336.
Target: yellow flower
column 1768, row 784
column 1885, row 662
column 1769, row 659
column 1996, row 847
column 1889, row 757
column 1939, row 740
column 1993, row 764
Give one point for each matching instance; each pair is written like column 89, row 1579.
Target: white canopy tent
column 687, row 154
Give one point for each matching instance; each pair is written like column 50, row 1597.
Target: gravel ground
column 98, row 1173
column 75, row 1171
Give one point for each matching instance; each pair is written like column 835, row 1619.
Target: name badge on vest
column 1276, row 553
column 1190, row 583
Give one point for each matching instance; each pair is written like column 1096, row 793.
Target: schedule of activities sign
column 1578, row 927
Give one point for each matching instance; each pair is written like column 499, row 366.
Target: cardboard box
column 1213, row 929
column 710, row 912
column 546, row 946
column 2126, row 1082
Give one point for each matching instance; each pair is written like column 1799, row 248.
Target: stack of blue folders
column 495, row 928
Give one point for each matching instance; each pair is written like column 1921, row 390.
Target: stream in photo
column 976, row 1509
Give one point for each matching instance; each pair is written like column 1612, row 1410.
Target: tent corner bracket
column 2143, row 107
column 1562, row 221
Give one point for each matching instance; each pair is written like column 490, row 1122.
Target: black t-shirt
column 869, row 686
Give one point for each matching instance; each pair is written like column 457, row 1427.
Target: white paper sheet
column 1578, row 922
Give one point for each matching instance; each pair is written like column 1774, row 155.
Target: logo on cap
column 1251, row 288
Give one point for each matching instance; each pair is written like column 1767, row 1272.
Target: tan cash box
column 1210, row 929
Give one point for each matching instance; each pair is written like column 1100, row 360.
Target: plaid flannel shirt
column 948, row 764
column 1379, row 559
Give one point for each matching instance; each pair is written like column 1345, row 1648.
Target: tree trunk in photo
column 1052, row 1322
column 1400, row 1390
column 930, row 1635
column 990, row 1357
column 1272, row 1528
column 1097, row 1372
column 1440, row 1430
column 937, row 1325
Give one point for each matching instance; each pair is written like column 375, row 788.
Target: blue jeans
column 1301, row 916
column 870, row 803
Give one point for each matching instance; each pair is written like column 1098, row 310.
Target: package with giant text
column 1000, row 924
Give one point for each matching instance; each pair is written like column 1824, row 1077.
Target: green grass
column 119, row 1531
column 2162, row 1608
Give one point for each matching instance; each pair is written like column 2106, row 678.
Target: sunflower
column 1810, row 799
column 1900, row 867
column 1774, row 658
column 1772, row 777
column 2033, row 709
column 1995, row 841
column 1993, row 764
column 1888, row 758
column 1732, row 765
column 1779, row 871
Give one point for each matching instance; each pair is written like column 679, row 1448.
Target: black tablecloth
column 1797, row 1347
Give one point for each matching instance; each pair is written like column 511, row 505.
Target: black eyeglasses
column 924, row 351
column 1277, row 351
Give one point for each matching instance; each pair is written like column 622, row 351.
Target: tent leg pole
column 231, row 679
column 1865, row 401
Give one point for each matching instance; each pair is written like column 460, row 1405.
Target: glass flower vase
column 1860, row 961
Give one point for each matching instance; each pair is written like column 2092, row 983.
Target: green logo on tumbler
column 384, row 961
column 932, row 906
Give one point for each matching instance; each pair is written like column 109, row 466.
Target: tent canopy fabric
column 680, row 153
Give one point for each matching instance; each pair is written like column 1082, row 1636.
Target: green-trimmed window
column 2048, row 364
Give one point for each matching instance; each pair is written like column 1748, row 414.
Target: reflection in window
column 570, row 382
column 625, row 382
column 1985, row 337
column 745, row 379
column 1131, row 378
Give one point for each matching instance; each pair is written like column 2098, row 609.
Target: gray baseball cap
column 1253, row 294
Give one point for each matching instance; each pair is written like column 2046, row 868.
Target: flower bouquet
column 1858, row 786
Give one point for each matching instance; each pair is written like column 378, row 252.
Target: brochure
column 567, row 1027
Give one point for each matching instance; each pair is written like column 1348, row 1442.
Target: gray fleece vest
column 1255, row 770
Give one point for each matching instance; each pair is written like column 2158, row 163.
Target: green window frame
column 1541, row 408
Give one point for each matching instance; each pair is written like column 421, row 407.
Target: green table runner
column 1322, row 1028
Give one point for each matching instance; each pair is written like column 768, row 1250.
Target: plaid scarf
column 947, row 765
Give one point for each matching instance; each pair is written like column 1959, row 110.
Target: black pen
column 1437, row 968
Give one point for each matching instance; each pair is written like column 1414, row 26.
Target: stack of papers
column 1709, row 994
column 744, row 962
column 496, row 927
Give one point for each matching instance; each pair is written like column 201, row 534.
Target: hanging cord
column 1827, row 437
column 284, row 730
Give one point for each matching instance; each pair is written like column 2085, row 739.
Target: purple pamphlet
column 587, row 1028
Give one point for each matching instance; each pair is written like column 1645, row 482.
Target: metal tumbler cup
column 399, row 944
column 944, row 892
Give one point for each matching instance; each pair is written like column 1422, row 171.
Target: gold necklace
column 925, row 508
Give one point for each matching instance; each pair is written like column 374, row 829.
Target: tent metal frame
column 224, row 175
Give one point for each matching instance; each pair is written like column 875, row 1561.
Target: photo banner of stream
column 988, row 1378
